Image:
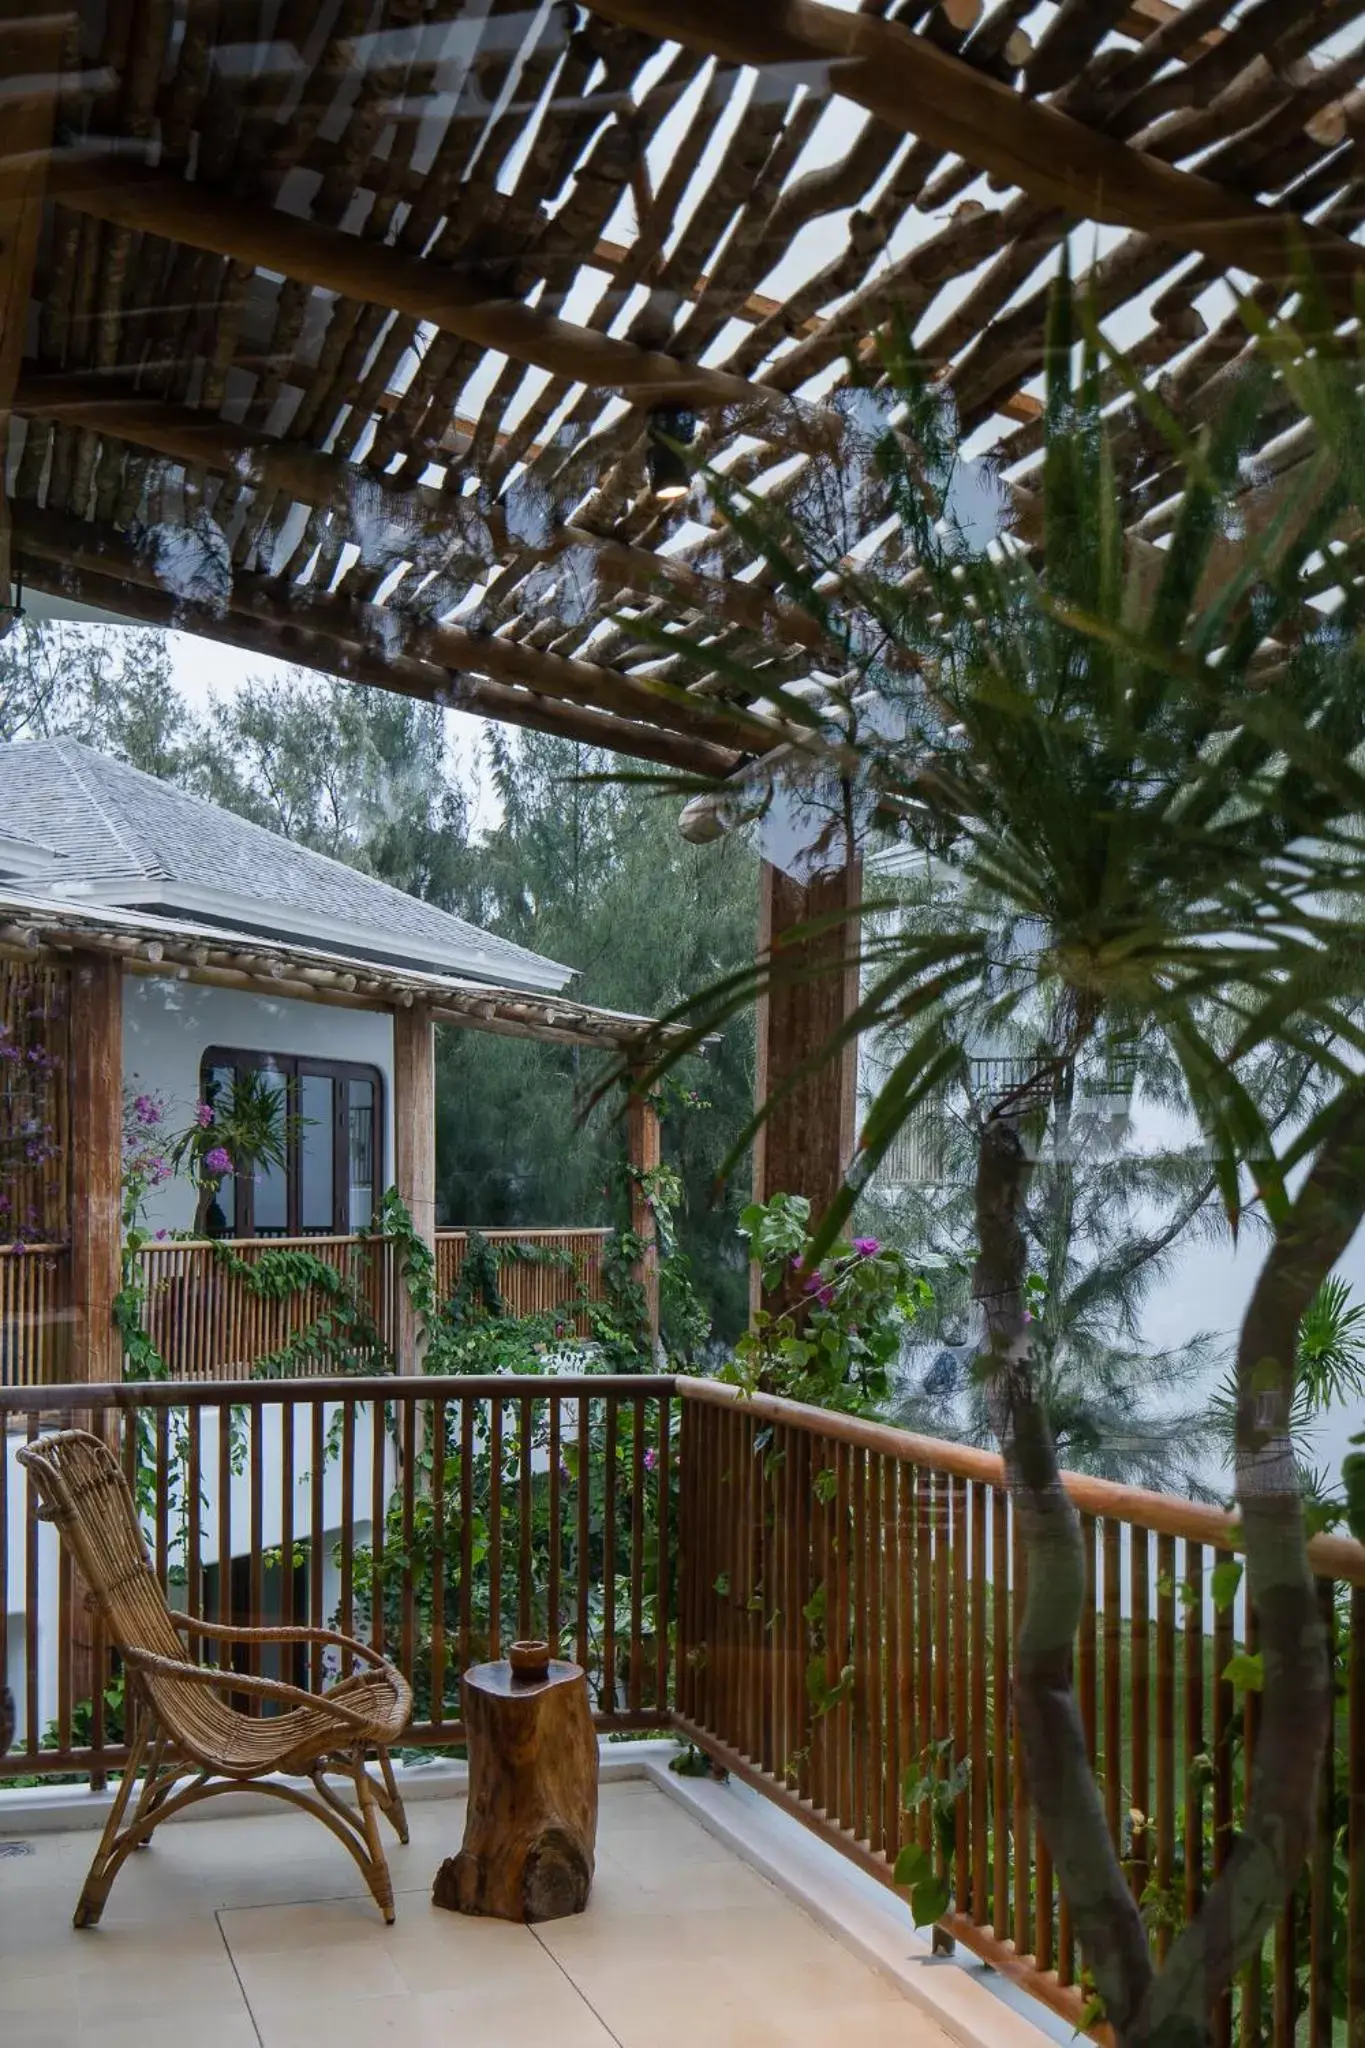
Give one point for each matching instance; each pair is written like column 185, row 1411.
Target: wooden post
column 805, row 1146
column 414, row 1147
column 96, row 1163
column 644, row 1155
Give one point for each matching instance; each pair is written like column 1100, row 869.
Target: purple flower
column 821, row 1289
column 203, row 1115
column 1028, row 1315
column 651, row 1460
column 147, row 1110
column 867, row 1247
column 162, row 1235
column 218, row 1159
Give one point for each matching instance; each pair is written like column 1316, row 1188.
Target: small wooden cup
column 530, row 1662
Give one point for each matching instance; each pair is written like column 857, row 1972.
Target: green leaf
column 914, row 1865
column 1246, row 1671
column 1224, row 1581
column 930, row 1900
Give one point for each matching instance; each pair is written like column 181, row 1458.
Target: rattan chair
column 181, row 1724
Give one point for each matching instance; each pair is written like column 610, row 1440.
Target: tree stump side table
column 531, row 1822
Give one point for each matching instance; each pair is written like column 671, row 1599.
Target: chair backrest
column 86, row 1496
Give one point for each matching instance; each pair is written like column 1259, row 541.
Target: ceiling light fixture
column 671, row 432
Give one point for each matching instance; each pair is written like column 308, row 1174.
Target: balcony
column 253, row 1933
column 826, row 1607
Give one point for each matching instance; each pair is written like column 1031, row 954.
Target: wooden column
column 414, row 1162
column 644, row 1155
column 96, row 1163
column 805, row 1146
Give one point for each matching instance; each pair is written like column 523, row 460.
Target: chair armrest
column 240, row 1681
column 222, row 1632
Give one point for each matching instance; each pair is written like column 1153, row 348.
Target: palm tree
column 1133, row 775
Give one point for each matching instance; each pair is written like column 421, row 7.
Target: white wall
column 168, row 1025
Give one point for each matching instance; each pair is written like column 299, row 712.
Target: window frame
column 294, row 1067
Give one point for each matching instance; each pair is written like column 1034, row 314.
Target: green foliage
column 935, row 1785
column 835, row 1344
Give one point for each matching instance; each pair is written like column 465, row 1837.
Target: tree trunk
column 1061, row 1783
column 531, row 1822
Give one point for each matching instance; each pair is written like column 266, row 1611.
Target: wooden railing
column 849, row 1605
column 206, row 1321
column 35, row 1318
column 829, row 1608
column 561, row 1263
column 552, row 1516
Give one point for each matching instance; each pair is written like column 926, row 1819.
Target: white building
column 183, row 947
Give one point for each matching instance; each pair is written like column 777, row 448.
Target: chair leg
column 391, row 1799
column 104, row 1867
column 377, row 1873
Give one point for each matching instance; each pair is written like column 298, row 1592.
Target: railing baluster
column 1193, row 1740
column 608, row 1679
column 467, row 1510
column 1112, row 1536
column 379, row 1510
column 495, row 1527
column 927, row 1642
column 1000, row 1709
column 255, row 1419
column 1165, row 1731
column 409, row 1439
column 225, row 1613
column 862, row 1822
column 1140, row 1706
column 635, row 1675
column 663, row 1576
column 843, row 1751
column 525, row 1563
column 584, row 1528
column 316, row 1483
column 348, row 1519
column 979, row 1788
column 438, row 1424
column 1223, row 1705
column 1023, row 1918
column 962, row 1734
column 1321, row 1931
column 556, row 1532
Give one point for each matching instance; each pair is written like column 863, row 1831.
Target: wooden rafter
column 31, row 60
column 909, row 80
column 128, row 195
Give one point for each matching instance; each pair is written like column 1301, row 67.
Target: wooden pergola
column 341, row 333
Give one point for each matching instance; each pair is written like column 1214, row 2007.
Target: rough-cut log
column 110, row 188
column 906, row 79
column 531, row 1823
column 288, row 636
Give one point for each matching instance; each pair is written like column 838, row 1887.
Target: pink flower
column 867, row 1247
column 203, row 1115
column 218, row 1159
column 1028, row 1315
column 821, row 1289
column 651, row 1460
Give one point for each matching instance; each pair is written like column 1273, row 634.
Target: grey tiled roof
column 129, row 838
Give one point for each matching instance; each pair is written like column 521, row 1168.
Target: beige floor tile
column 200, row 2029
column 322, row 1923
column 310, row 1975
column 153, row 1990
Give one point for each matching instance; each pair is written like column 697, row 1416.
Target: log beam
column 929, row 92
column 373, row 645
column 414, row 1159
column 265, row 462
column 107, row 186
column 645, row 1156
column 96, row 1164
column 805, row 1145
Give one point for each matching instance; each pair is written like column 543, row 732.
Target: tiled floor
column 257, row 1933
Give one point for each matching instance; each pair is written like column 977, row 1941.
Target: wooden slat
column 913, row 83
